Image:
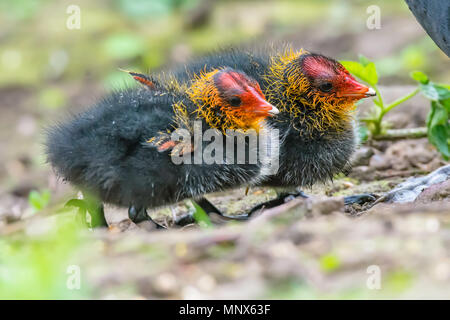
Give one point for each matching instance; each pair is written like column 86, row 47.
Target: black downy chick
column 121, row 150
column 316, row 96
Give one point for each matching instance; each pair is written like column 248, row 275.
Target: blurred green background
column 38, row 50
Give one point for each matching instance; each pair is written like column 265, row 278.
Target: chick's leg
column 139, row 214
column 359, row 199
column 211, row 210
column 282, row 197
column 215, row 214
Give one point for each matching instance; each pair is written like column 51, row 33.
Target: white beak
column 371, row 93
column 274, row 111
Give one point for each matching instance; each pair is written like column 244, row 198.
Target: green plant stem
column 377, row 120
column 399, row 101
column 389, row 107
column 380, row 98
column 408, row 133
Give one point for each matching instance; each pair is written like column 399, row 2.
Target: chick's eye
column 235, row 101
column 326, row 87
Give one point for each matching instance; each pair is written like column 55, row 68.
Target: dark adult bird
column 434, row 16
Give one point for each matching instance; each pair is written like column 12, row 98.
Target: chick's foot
column 139, row 214
column 216, row 216
column 360, row 199
column 282, row 198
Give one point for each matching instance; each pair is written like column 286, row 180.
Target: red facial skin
column 232, row 84
column 320, row 70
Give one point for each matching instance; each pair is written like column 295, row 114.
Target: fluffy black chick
column 121, row 150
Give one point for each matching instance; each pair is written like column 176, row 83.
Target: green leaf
column 429, row 91
column 437, row 119
column 371, row 75
column 440, row 116
column 443, row 92
column 446, row 104
column 367, row 73
column 439, row 138
column 434, row 91
column 431, row 115
column 439, row 128
column 353, row 67
column 78, row 203
column 82, row 209
column 419, row 76
column 90, row 205
column 446, row 86
column 37, row 200
column 201, row 217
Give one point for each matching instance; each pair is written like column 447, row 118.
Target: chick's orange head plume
column 229, row 99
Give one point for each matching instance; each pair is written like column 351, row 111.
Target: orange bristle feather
column 286, row 77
